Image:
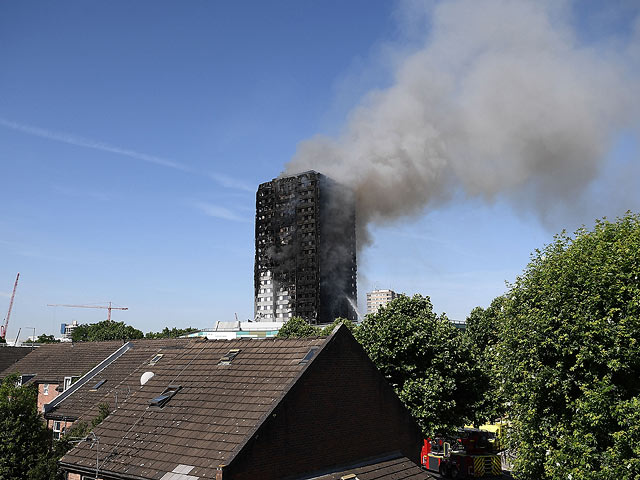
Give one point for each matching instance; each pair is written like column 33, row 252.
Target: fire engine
column 472, row 454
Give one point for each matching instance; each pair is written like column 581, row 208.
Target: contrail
column 93, row 144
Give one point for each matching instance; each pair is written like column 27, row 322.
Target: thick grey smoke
column 501, row 100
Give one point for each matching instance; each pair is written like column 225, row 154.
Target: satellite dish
column 146, row 376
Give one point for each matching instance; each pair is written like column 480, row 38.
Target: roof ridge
column 87, row 376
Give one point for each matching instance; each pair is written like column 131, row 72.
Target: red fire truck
column 472, row 454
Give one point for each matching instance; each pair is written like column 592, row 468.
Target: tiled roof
column 10, row 355
column 120, row 378
column 51, row 363
column 400, row 468
column 207, row 421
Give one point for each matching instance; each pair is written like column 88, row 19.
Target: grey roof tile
column 395, row 469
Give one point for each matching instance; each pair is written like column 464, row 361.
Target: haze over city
column 133, row 137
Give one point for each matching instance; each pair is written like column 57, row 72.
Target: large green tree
column 569, row 356
column 297, row 327
column 105, row 330
column 482, row 335
column 426, row 359
column 24, row 440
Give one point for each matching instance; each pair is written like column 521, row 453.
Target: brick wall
column 77, row 476
column 341, row 411
column 64, row 426
column 42, row 398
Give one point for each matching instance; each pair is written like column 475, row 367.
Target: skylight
column 229, row 356
column 25, row 378
column 156, row 359
column 312, row 351
column 162, row 399
column 98, row 385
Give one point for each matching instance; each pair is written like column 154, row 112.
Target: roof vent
column 25, row 378
column 145, row 377
column 229, row 356
column 98, row 385
column 312, row 351
column 156, row 359
column 162, row 399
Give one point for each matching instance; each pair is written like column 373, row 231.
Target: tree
column 23, row 434
column 569, row 356
column 297, row 327
column 173, row 333
column 482, row 335
column 46, row 467
column 46, row 339
column 326, row 331
column 105, row 330
column 425, row 358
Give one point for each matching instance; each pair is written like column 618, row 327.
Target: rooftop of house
column 113, row 384
column 202, row 404
column 10, row 355
column 399, row 468
column 53, row 362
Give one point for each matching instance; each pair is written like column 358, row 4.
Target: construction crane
column 3, row 328
column 108, row 308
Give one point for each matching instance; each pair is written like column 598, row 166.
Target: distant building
column 66, row 330
column 379, row 298
column 230, row 330
column 305, row 262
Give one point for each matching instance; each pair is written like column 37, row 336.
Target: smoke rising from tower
column 501, row 100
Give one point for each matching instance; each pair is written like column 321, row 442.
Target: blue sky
column 133, row 136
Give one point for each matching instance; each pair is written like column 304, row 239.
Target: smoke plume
column 502, row 99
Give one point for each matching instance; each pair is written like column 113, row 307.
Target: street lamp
column 33, row 339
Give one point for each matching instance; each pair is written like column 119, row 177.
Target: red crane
column 109, row 308
column 3, row 328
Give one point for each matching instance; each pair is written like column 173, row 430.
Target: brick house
column 247, row 409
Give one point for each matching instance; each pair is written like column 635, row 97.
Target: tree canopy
column 426, row 359
column 105, row 330
column 297, row 327
column 23, row 434
column 44, row 338
column 170, row 333
column 481, row 335
column 569, row 356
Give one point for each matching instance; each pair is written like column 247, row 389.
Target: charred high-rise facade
column 305, row 262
